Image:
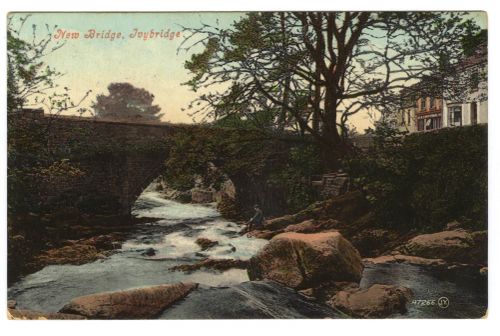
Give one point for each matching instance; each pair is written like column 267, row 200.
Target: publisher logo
column 443, row 302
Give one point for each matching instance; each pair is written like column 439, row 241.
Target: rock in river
column 140, row 303
column 217, row 264
column 375, row 302
column 78, row 252
column 248, row 300
column 149, row 252
column 302, row 261
column 457, row 245
column 206, row 243
column 22, row 314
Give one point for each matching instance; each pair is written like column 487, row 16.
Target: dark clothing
column 257, row 219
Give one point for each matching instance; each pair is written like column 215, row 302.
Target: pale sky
column 152, row 64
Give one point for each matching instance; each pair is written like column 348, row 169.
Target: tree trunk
column 331, row 147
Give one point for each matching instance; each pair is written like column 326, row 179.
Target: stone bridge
column 118, row 159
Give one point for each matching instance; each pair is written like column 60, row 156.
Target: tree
column 30, row 81
column 126, row 102
column 473, row 39
column 319, row 67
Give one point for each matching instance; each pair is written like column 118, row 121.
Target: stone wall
column 118, row 159
column 332, row 184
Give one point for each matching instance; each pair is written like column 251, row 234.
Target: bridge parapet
column 118, row 159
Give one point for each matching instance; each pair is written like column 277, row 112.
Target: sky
column 152, row 64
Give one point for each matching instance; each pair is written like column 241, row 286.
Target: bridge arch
column 118, row 160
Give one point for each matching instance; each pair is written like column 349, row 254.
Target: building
column 463, row 100
column 407, row 114
column 421, row 108
column 467, row 102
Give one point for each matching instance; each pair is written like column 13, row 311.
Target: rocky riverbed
column 310, row 269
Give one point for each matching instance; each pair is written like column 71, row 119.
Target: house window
column 418, row 104
column 420, row 124
column 473, row 113
column 432, row 123
column 422, row 104
column 431, row 103
column 408, row 115
column 455, row 116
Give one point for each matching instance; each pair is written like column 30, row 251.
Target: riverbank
column 295, row 257
column 193, row 244
column 34, row 239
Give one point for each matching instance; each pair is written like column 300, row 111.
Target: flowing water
column 226, row 294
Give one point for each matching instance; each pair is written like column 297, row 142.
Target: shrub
column 425, row 180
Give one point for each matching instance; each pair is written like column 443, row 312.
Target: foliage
column 424, row 181
column 472, row 40
column 262, row 120
column 303, row 162
column 273, row 171
column 319, row 68
column 126, row 102
column 30, row 81
column 234, row 152
column 28, row 75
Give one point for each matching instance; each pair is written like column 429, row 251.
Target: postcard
column 247, row 165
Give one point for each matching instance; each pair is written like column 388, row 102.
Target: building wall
column 468, row 87
column 422, row 109
column 407, row 121
column 478, row 95
column 428, row 113
column 482, row 113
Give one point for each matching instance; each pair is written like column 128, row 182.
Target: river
column 227, row 294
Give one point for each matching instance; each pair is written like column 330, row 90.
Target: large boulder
column 350, row 208
column 302, row 261
column 456, row 245
column 23, row 314
column 227, row 189
column 312, row 226
column 371, row 242
column 263, row 234
column 308, row 226
column 199, row 195
column 140, row 303
column 375, row 302
column 78, row 252
column 248, row 300
column 404, row 259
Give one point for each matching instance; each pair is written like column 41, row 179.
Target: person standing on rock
column 257, row 219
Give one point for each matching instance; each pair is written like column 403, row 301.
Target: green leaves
column 426, row 180
column 29, row 78
column 243, row 155
column 126, row 102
